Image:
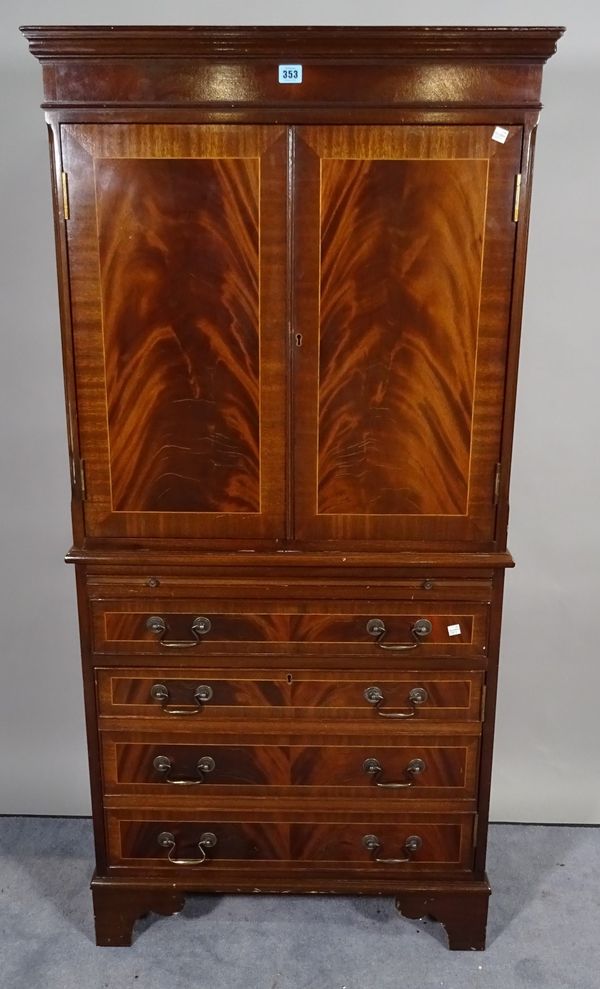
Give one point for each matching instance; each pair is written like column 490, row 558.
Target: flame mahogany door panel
column 177, row 252
column 404, row 240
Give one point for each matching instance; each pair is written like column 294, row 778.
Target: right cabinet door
column 403, row 257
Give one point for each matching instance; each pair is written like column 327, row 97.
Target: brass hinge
column 81, row 478
column 517, row 197
column 65, row 195
column 483, row 697
column 497, row 477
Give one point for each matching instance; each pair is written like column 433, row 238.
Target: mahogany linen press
column 291, row 267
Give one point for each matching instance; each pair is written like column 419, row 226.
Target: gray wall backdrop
column 546, row 762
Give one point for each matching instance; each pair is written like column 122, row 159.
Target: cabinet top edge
column 532, row 43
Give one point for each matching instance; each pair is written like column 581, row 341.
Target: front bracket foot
column 463, row 913
column 117, row 907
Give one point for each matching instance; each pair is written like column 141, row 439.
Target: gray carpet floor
column 544, row 926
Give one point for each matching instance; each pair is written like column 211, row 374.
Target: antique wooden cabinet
column 291, row 269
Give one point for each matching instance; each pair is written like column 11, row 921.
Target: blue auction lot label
column 290, row 73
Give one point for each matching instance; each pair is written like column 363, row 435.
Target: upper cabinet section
column 291, row 300
column 177, row 248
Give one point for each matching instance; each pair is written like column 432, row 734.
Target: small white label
column 500, row 134
column 290, row 73
column 454, row 630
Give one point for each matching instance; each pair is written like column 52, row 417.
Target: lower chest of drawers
column 327, row 739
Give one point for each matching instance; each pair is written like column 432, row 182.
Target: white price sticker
column 500, row 134
column 290, row 73
column 454, row 630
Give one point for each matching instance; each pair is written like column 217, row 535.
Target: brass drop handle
column 411, row 845
column 416, row 696
column 160, row 692
column 420, row 629
column 166, row 839
column 414, row 768
column 158, row 625
column 163, row 764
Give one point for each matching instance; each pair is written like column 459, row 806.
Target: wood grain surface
column 401, row 252
column 179, row 261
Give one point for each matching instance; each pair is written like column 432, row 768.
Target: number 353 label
column 290, row 73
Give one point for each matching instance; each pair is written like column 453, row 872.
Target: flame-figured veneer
column 179, row 263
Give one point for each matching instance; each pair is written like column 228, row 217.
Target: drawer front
column 418, row 768
column 173, row 629
column 212, row 843
column 175, row 696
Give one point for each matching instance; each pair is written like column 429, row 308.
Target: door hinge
column 483, row 699
column 497, row 478
column 475, row 829
column 81, row 479
column 517, row 198
column 65, row 195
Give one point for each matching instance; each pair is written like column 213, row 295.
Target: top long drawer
column 366, row 627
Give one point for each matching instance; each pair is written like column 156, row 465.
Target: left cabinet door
column 176, row 248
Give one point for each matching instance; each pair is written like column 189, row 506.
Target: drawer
column 207, row 696
column 394, row 628
column 419, row 767
column 211, row 843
